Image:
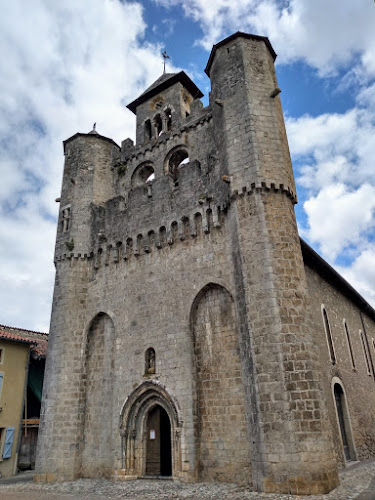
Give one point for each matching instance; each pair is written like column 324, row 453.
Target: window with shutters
column 8, row 442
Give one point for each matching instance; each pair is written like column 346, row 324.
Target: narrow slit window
column 365, row 352
column 158, row 125
column 329, row 336
column 148, row 133
column 168, row 117
column 350, row 348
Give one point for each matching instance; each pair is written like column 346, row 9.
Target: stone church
column 193, row 334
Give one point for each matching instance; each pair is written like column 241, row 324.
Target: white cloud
column 56, row 59
column 361, row 273
column 334, row 161
column 335, row 147
column 339, row 218
column 324, row 34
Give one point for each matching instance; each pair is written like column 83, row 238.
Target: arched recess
column 97, row 455
column 134, row 418
column 221, row 428
column 143, row 174
column 343, row 420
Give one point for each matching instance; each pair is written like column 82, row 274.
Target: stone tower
column 180, row 335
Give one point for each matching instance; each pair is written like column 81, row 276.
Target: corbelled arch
column 133, row 417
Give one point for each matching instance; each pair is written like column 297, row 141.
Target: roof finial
column 165, row 56
column 93, row 131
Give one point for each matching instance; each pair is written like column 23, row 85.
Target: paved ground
column 357, row 483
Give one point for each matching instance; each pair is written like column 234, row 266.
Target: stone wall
column 358, row 380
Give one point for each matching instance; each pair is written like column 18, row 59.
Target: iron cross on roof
column 165, row 57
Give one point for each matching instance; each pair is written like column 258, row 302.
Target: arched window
column 150, row 361
column 142, row 174
column 329, row 336
column 148, row 131
column 168, row 118
column 158, row 125
column 178, row 157
column 349, row 344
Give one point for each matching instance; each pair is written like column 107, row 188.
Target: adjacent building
column 22, row 355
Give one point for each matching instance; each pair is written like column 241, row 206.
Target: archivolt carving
column 133, row 420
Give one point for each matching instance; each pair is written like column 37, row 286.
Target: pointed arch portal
column 150, row 426
column 343, row 419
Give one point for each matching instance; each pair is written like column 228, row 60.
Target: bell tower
column 164, row 105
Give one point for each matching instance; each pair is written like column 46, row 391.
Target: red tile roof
column 15, row 328
column 37, row 340
column 41, row 348
column 14, row 336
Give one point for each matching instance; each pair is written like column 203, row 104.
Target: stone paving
column 357, row 483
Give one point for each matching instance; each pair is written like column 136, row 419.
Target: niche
column 150, row 361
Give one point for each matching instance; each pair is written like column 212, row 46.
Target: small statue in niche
column 150, row 361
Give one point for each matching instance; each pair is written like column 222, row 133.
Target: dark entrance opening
column 158, row 447
column 343, row 423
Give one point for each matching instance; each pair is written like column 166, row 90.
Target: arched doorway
column 158, row 443
column 344, row 422
column 150, row 426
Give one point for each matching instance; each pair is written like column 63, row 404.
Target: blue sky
column 65, row 65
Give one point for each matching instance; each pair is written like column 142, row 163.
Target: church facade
column 193, row 334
